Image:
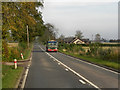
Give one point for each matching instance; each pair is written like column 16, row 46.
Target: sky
column 88, row 16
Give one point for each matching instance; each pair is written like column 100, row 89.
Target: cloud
column 90, row 17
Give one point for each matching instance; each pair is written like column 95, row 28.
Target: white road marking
column 72, row 70
column 58, row 63
column 82, row 81
column 26, row 73
column 24, row 80
column 66, row 69
column 91, row 64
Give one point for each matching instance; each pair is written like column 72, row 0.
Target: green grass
column 28, row 52
column 94, row 60
column 10, row 76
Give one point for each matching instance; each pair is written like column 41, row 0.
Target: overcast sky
column 90, row 17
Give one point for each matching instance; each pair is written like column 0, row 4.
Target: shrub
column 94, row 48
column 23, row 45
column 11, row 53
column 88, row 52
column 15, row 54
column 5, row 51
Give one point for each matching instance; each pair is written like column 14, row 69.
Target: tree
column 17, row 15
column 61, row 38
column 97, row 38
column 52, row 32
column 49, row 33
column 79, row 34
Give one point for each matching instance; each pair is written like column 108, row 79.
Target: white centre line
column 71, row 70
column 82, row 82
column 66, row 69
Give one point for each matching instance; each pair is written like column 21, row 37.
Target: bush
column 15, row 54
column 94, row 48
column 11, row 53
column 23, row 45
column 88, row 52
column 5, row 51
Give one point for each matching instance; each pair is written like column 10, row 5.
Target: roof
column 68, row 39
column 73, row 39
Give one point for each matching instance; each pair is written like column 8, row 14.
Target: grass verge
column 10, row 76
column 94, row 60
column 27, row 52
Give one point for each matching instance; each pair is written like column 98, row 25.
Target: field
column 114, row 49
column 103, row 55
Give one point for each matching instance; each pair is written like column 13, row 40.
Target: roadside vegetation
column 10, row 76
column 14, row 52
column 16, row 17
column 96, row 53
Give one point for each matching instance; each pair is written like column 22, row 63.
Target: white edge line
column 72, row 70
column 24, row 80
column 91, row 64
column 26, row 73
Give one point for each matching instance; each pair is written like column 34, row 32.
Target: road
column 56, row 70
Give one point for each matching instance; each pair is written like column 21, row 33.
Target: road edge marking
column 72, row 70
column 91, row 64
column 26, row 73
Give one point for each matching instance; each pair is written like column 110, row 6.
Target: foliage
column 5, row 51
column 14, row 54
column 94, row 50
column 11, row 53
column 95, row 60
column 50, row 32
column 22, row 45
column 17, row 15
column 79, row 34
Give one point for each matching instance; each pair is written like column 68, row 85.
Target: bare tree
column 79, row 34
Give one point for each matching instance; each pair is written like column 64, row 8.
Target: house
column 74, row 40
column 87, row 41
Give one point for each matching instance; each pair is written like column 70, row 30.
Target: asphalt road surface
column 56, row 70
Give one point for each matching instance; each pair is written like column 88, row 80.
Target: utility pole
column 27, row 37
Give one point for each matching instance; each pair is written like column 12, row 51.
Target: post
column 15, row 62
column 22, row 56
column 27, row 36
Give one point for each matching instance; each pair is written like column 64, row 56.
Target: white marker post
column 22, row 56
column 15, row 62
